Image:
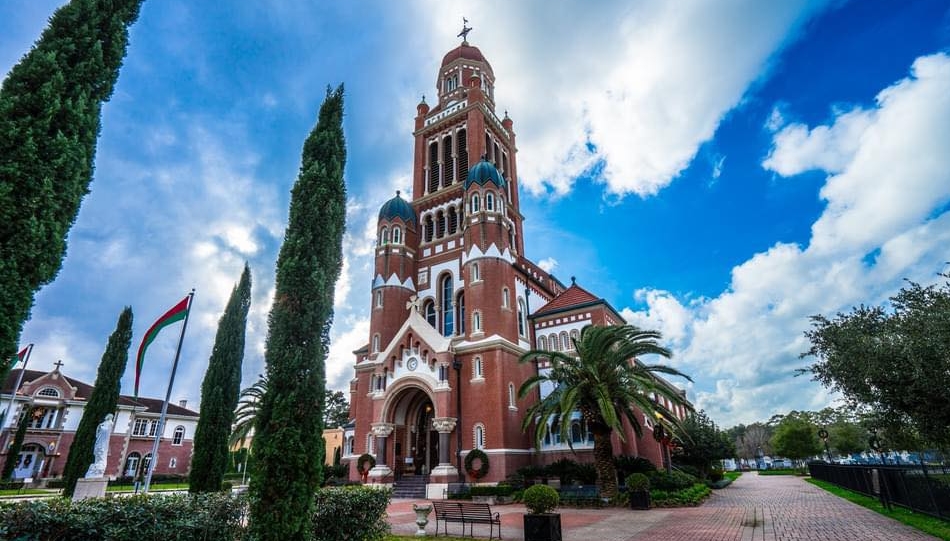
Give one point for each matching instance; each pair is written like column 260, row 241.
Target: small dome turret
column 484, row 172
column 397, row 207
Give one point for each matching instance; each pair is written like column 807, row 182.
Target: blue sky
column 719, row 170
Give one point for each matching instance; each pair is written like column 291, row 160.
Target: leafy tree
column 13, row 453
column 847, row 438
column 219, row 392
column 49, row 120
column 288, row 444
column 896, row 360
column 754, row 437
column 607, row 384
column 796, row 438
column 337, row 410
column 701, row 442
column 102, row 401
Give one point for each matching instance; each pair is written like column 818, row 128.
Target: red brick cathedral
column 455, row 303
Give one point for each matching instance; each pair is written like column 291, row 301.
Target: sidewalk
column 767, row 508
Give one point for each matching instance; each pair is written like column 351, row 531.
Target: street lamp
column 457, row 365
column 823, row 434
column 660, row 435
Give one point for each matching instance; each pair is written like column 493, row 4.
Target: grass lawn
column 412, row 537
column 924, row 523
column 732, row 475
column 154, row 487
column 23, row 492
column 785, row 471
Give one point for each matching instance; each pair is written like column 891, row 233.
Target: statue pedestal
column 90, row 488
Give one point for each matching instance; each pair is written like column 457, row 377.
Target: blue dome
column 397, row 207
column 482, row 173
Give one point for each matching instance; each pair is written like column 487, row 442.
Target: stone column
column 381, row 432
column 444, row 426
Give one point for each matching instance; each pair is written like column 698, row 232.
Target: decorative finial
column 573, row 280
column 465, row 30
column 423, row 99
column 397, row 193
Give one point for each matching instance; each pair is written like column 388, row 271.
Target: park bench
column 470, row 513
column 580, row 495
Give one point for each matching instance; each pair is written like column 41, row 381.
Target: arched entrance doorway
column 30, row 461
column 415, row 449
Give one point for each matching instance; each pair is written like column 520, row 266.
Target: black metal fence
column 919, row 488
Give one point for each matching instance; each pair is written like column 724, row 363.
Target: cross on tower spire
column 58, row 364
column 465, row 30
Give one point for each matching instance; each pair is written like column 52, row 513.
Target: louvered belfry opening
column 433, row 167
column 447, row 161
column 462, row 155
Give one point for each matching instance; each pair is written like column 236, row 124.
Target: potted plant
column 638, row 491
column 540, row 524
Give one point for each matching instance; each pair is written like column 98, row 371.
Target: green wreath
column 482, row 469
column 361, row 463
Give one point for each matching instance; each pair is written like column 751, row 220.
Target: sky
column 716, row 170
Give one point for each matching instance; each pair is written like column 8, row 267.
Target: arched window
column 447, row 316
column 542, row 343
column 146, row 462
column 379, row 298
column 475, row 203
column 384, row 236
column 375, row 343
column 348, row 448
column 554, row 342
column 475, row 276
column 476, row 321
column 504, row 298
column 477, row 368
column 370, row 440
column 522, row 328
column 565, row 343
column 511, row 395
column 52, row 392
column 397, row 235
column 576, row 432
column 489, row 201
column 428, row 310
column 179, row 435
column 574, row 337
column 132, row 464
column 439, row 224
column 460, row 313
column 462, row 155
column 555, row 433
column 173, row 463
column 479, row 442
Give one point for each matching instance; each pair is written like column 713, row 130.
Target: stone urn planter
column 422, row 518
column 540, row 524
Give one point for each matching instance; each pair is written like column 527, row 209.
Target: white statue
column 100, row 452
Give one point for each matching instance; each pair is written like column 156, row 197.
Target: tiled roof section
column 569, row 298
column 84, row 391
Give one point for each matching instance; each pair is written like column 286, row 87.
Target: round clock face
column 412, row 364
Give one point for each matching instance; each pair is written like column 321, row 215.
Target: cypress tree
column 14, row 451
column 288, row 444
column 102, row 401
column 219, row 392
column 49, row 121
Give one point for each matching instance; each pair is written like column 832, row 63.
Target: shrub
column 637, row 482
column 632, row 464
column 662, row 480
column 501, row 489
column 540, row 499
column 686, row 497
column 715, row 475
column 200, row 517
column 226, row 486
column 353, row 512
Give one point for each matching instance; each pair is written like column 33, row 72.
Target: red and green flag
column 19, row 357
column 174, row 315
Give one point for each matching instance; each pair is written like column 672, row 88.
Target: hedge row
column 356, row 513
column 686, row 497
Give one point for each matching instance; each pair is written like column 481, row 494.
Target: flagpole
column 168, row 394
column 19, row 381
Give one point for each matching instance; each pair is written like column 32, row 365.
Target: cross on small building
column 413, row 303
column 58, row 364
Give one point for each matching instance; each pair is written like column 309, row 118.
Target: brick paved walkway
column 767, row 508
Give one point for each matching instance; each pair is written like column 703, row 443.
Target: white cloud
column 886, row 179
column 635, row 87
column 548, row 264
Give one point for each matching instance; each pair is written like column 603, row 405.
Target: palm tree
column 606, row 383
column 246, row 412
